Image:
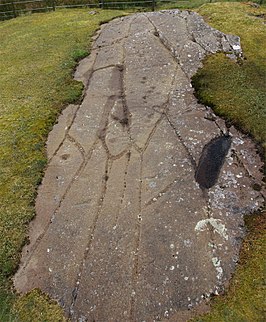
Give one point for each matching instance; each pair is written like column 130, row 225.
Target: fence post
column 53, row 5
column 14, row 9
column 153, row 5
column 102, row 4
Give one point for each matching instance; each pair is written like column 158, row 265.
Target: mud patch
column 211, row 161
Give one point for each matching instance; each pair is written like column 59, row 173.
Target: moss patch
column 37, row 57
column 37, row 306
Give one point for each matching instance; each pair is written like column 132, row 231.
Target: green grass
column 37, row 57
column 36, row 306
column 191, row 4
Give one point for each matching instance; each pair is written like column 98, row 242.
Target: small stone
column 236, row 47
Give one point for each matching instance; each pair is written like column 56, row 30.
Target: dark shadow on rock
column 211, row 161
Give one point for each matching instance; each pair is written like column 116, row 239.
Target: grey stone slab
column 57, row 135
column 207, row 37
column 195, row 130
column 190, row 57
column 85, row 68
column 113, row 32
column 159, row 173
column 179, row 35
column 59, row 254
column 140, row 25
column 110, row 55
column 106, row 282
column 58, row 176
column 117, row 137
column 104, row 85
column 175, row 267
column 150, row 75
column 242, row 145
column 170, row 274
column 123, row 232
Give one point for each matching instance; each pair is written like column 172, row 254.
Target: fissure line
column 108, row 167
column 74, row 178
column 135, row 271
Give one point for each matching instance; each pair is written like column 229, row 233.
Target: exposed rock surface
column 123, row 231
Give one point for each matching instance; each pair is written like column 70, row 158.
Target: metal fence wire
column 12, row 9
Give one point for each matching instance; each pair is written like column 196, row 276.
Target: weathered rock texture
column 123, row 231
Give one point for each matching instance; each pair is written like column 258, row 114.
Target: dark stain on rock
column 211, row 161
column 257, row 187
column 65, row 156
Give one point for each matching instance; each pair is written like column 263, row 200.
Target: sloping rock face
column 140, row 212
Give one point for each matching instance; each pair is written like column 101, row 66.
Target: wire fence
column 12, row 8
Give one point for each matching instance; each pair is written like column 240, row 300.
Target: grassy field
column 37, row 57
